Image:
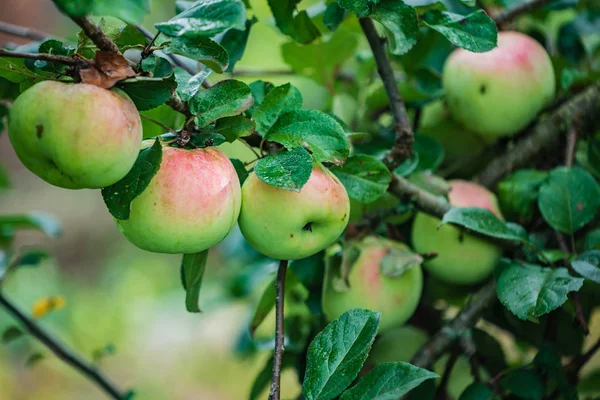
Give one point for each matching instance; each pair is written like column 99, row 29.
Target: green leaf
column 234, row 42
column 279, row 100
column 11, row 334
column 299, row 27
column 102, row 352
column 388, row 381
column 483, row 221
column 55, row 47
column 334, row 15
column 225, row 99
column 33, row 220
column 549, row 361
column 14, row 69
column 569, row 199
column 530, row 291
column 206, row 18
column 75, row 8
column 400, row 22
column 31, row 258
column 157, row 67
column 34, row 359
column 337, row 354
column 361, row 8
column 240, row 169
column 148, row 93
column 588, row 265
column 430, row 151
column 207, row 140
column 491, row 350
column 132, row 11
column 314, row 130
column 259, row 90
column 477, row 391
column 202, row 49
column 118, row 197
column 235, row 127
column 397, row 261
column 524, row 384
column 189, row 85
column 193, row 267
column 518, row 193
column 319, row 61
column 288, row 170
column 474, row 32
column 365, row 178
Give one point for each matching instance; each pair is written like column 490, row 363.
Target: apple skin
column 499, row 92
column 274, row 221
column 190, row 205
column 397, row 345
column 396, row 299
column 75, row 136
column 462, row 259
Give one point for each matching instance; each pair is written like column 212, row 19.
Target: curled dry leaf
column 108, row 69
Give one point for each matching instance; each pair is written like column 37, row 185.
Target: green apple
column 365, row 286
column 287, row 225
column 499, row 92
column 191, row 203
column 462, row 258
column 75, row 136
column 397, row 345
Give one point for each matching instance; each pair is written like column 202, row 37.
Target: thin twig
column 440, row 393
column 148, row 49
column 423, row 200
column 20, row 31
column 571, row 146
column 166, row 128
column 582, row 109
column 45, row 57
column 577, row 363
column 176, row 104
column 466, row 318
column 275, row 392
column 402, row 148
column 96, row 35
column 509, row 15
column 62, row 351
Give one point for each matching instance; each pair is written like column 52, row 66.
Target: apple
column 498, row 93
column 396, row 298
column 288, row 225
column 190, row 205
column 75, row 136
column 397, row 345
column 462, row 259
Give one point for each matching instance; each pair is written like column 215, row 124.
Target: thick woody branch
column 580, row 112
column 509, row 15
column 96, row 35
column 20, row 31
column 402, row 148
column 44, row 57
column 62, row 351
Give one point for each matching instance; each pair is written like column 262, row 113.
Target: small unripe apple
column 287, row 225
column 462, row 258
column 396, row 298
column 190, row 205
column 499, row 92
column 397, row 345
column 75, row 136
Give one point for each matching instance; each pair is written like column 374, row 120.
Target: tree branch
column 402, row 148
column 20, row 31
column 425, row 201
column 577, row 363
column 62, row 351
column 581, row 110
column 275, row 392
column 45, row 57
column 96, row 35
column 465, row 319
column 509, row 15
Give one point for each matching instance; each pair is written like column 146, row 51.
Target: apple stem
column 275, row 392
column 62, row 351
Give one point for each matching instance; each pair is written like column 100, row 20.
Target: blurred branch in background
column 512, row 13
column 20, row 31
column 62, row 351
column 45, row 57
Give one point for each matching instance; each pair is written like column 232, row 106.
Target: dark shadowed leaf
column 11, row 334
column 361, row 8
column 225, row 99
column 337, row 354
column 388, row 381
column 235, row 127
column 207, row 140
column 148, row 93
column 474, row 32
column 299, row 26
column 234, row 42
column 569, row 199
column 34, row 359
column 334, row 15
column 118, row 197
column 477, row 391
column 240, row 169
column 365, row 178
column 192, row 267
column 518, row 193
column 288, row 170
column 523, row 383
column 549, row 361
column 401, row 24
column 314, row 130
column 33, row 220
column 530, row 291
column 157, row 67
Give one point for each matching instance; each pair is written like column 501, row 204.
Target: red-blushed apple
column 287, row 225
column 366, row 286
column 75, row 136
column 462, row 258
column 190, row 205
column 499, row 92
